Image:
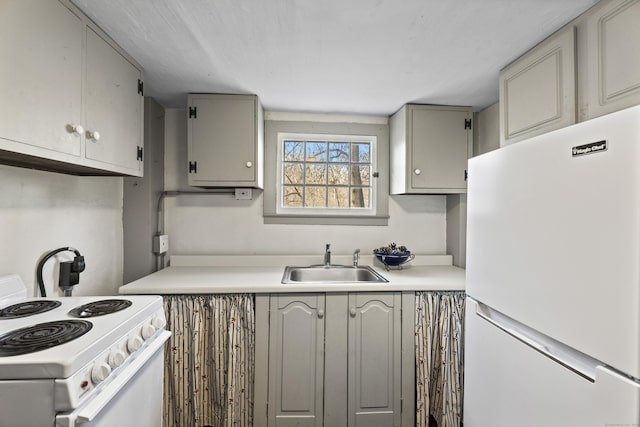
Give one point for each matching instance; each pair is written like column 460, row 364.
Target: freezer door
column 511, row 382
column 553, row 236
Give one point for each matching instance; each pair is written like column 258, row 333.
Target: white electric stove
column 90, row 361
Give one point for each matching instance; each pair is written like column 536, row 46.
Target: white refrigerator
column 552, row 328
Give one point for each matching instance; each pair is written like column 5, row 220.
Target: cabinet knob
column 249, row 164
column 352, row 312
column 95, row 135
column 417, row 171
column 320, row 314
column 75, row 129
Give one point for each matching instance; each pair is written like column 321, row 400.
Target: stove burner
column 42, row 336
column 24, row 309
column 100, row 308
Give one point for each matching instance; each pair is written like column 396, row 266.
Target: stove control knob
column 117, row 358
column 100, row 372
column 147, row 331
column 134, row 343
column 158, row 322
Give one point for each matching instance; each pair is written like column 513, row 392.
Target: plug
column 68, row 278
column 78, row 265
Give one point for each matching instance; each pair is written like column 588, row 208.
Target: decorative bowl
column 394, row 259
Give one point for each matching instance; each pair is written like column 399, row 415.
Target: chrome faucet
column 327, row 256
column 356, row 256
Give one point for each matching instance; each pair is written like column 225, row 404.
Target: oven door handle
column 95, row 405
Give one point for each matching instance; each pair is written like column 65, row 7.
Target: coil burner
column 100, row 308
column 42, row 336
column 24, row 309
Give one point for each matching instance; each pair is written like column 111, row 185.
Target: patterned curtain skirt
column 439, row 343
column 209, row 361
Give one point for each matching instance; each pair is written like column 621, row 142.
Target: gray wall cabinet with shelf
column 325, row 347
column 538, row 91
column 72, row 99
column 430, row 146
column 225, row 136
column 613, row 40
column 588, row 68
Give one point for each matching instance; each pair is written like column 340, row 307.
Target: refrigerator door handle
column 565, row 356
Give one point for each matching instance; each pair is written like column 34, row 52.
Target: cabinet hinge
column 466, row 175
column 193, row 112
column 467, row 123
column 140, row 87
column 139, row 153
column 193, row 167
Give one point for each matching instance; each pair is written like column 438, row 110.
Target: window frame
column 325, row 124
column 322, row 211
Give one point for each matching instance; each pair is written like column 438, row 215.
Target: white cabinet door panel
column 374, row 360
column 41, row 51
column 296, row 360
column 114, row 106
column 538, row 91
column 614, row 57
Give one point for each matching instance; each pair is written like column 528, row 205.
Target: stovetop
column 94, row 330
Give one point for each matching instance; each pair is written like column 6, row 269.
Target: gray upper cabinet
column 613, row 43
column 430, row 146
column 114, row 106
column 538, row 91
column 70, row 97
column 225, row 140
column 41, row 90
column 296, row 360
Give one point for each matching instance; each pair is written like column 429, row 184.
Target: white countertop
column 263, row 274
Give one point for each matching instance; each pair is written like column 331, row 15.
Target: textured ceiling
column 330, row 56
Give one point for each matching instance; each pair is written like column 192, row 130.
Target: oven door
column 133, row 398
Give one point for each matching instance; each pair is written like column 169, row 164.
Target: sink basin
column 332, row 274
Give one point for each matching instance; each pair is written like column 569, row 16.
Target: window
column 326, row 169
column 326, row 174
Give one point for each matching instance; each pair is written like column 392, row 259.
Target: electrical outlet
column 243, row 194
column 160, row 244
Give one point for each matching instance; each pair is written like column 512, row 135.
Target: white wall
column 219, row 224
column 42, row 211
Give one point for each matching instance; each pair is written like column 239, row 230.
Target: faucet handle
column 356, row 255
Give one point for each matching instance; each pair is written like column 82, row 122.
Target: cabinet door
column 296, row 360
column 614, row 57
column 114, row 107
column 439, row 150
column 222, row 140
column 374, row 360
column 40, row 76
column 538, row 91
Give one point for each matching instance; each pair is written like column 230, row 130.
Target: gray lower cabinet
column 334, row 360
column 296, row 360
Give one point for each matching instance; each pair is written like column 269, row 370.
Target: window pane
column 315, row 197
column 293, row 151
column 361, row 153
column 360, row 198
column 316, row 174
column 292, row 197
column 338, row 197
column 293, row 173
column 338, row 175
column 316, row 151
column 360, row 175
column 339, row 151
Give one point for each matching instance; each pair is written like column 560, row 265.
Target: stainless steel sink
column 331, row 274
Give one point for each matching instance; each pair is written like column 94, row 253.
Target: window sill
column 369, row 220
